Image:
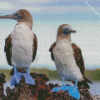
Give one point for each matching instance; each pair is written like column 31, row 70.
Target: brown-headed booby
column 68, row 57
column 21, row 46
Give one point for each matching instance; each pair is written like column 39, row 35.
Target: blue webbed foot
column 18, row 75
column 15, row 78
column 73, row 91
column 56, row 89
column 64, row 87
column 28, row 78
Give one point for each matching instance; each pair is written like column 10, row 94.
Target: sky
column 82, row 15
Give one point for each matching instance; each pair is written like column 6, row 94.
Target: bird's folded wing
column 34, row 47
column 51, row 50
column 78, row 58
column 7, row 49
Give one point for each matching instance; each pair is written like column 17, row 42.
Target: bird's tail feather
column 87, row 80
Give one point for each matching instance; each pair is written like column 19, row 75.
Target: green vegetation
column 52, row 74
column 93, row 75
column 7, row 74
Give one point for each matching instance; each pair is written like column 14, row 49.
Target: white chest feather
column 65, row 62
column 22, row 45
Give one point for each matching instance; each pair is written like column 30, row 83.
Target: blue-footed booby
column 68, row 59
column 21, row 46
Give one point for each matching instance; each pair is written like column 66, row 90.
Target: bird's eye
column 17, row 15
column 65, row 30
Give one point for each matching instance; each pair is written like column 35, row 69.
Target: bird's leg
column 28, row 78
column 64, row 86
column 15, row 78
column 15, row 70
column 76, row 81
column 27, row 70
column 63, row 82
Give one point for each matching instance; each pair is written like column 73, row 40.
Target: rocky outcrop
column 39, row 91
column 2, row 81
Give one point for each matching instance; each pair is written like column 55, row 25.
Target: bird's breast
column 22, row 45
column 63, row 52
column 65, row 62
column 22, row 33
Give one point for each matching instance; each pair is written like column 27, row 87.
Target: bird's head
column 65, row 30
column 21, row 15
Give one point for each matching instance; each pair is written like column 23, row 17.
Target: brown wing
column 80, row 62
column 8, row 48
column 51, row 50
column 78, row 57
column 34, row 47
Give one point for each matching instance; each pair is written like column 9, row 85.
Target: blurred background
column 82, row 15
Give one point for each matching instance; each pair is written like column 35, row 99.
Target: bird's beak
column 12, row 16
column 71, row 31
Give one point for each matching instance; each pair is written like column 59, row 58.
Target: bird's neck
column 27, row 23
column 64, row 38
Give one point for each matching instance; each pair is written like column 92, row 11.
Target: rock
column 2, row 81
column 41, row 91
column 96, row 97
column 85, row 94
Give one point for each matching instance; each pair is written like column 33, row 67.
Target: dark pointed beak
column 12, row 16
column 71, row 31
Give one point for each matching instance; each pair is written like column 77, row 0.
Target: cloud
column 33, row 0
column 6, row 6
column 34, row 9
column 58, row 9
column 39, row 1
column 65, row 9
